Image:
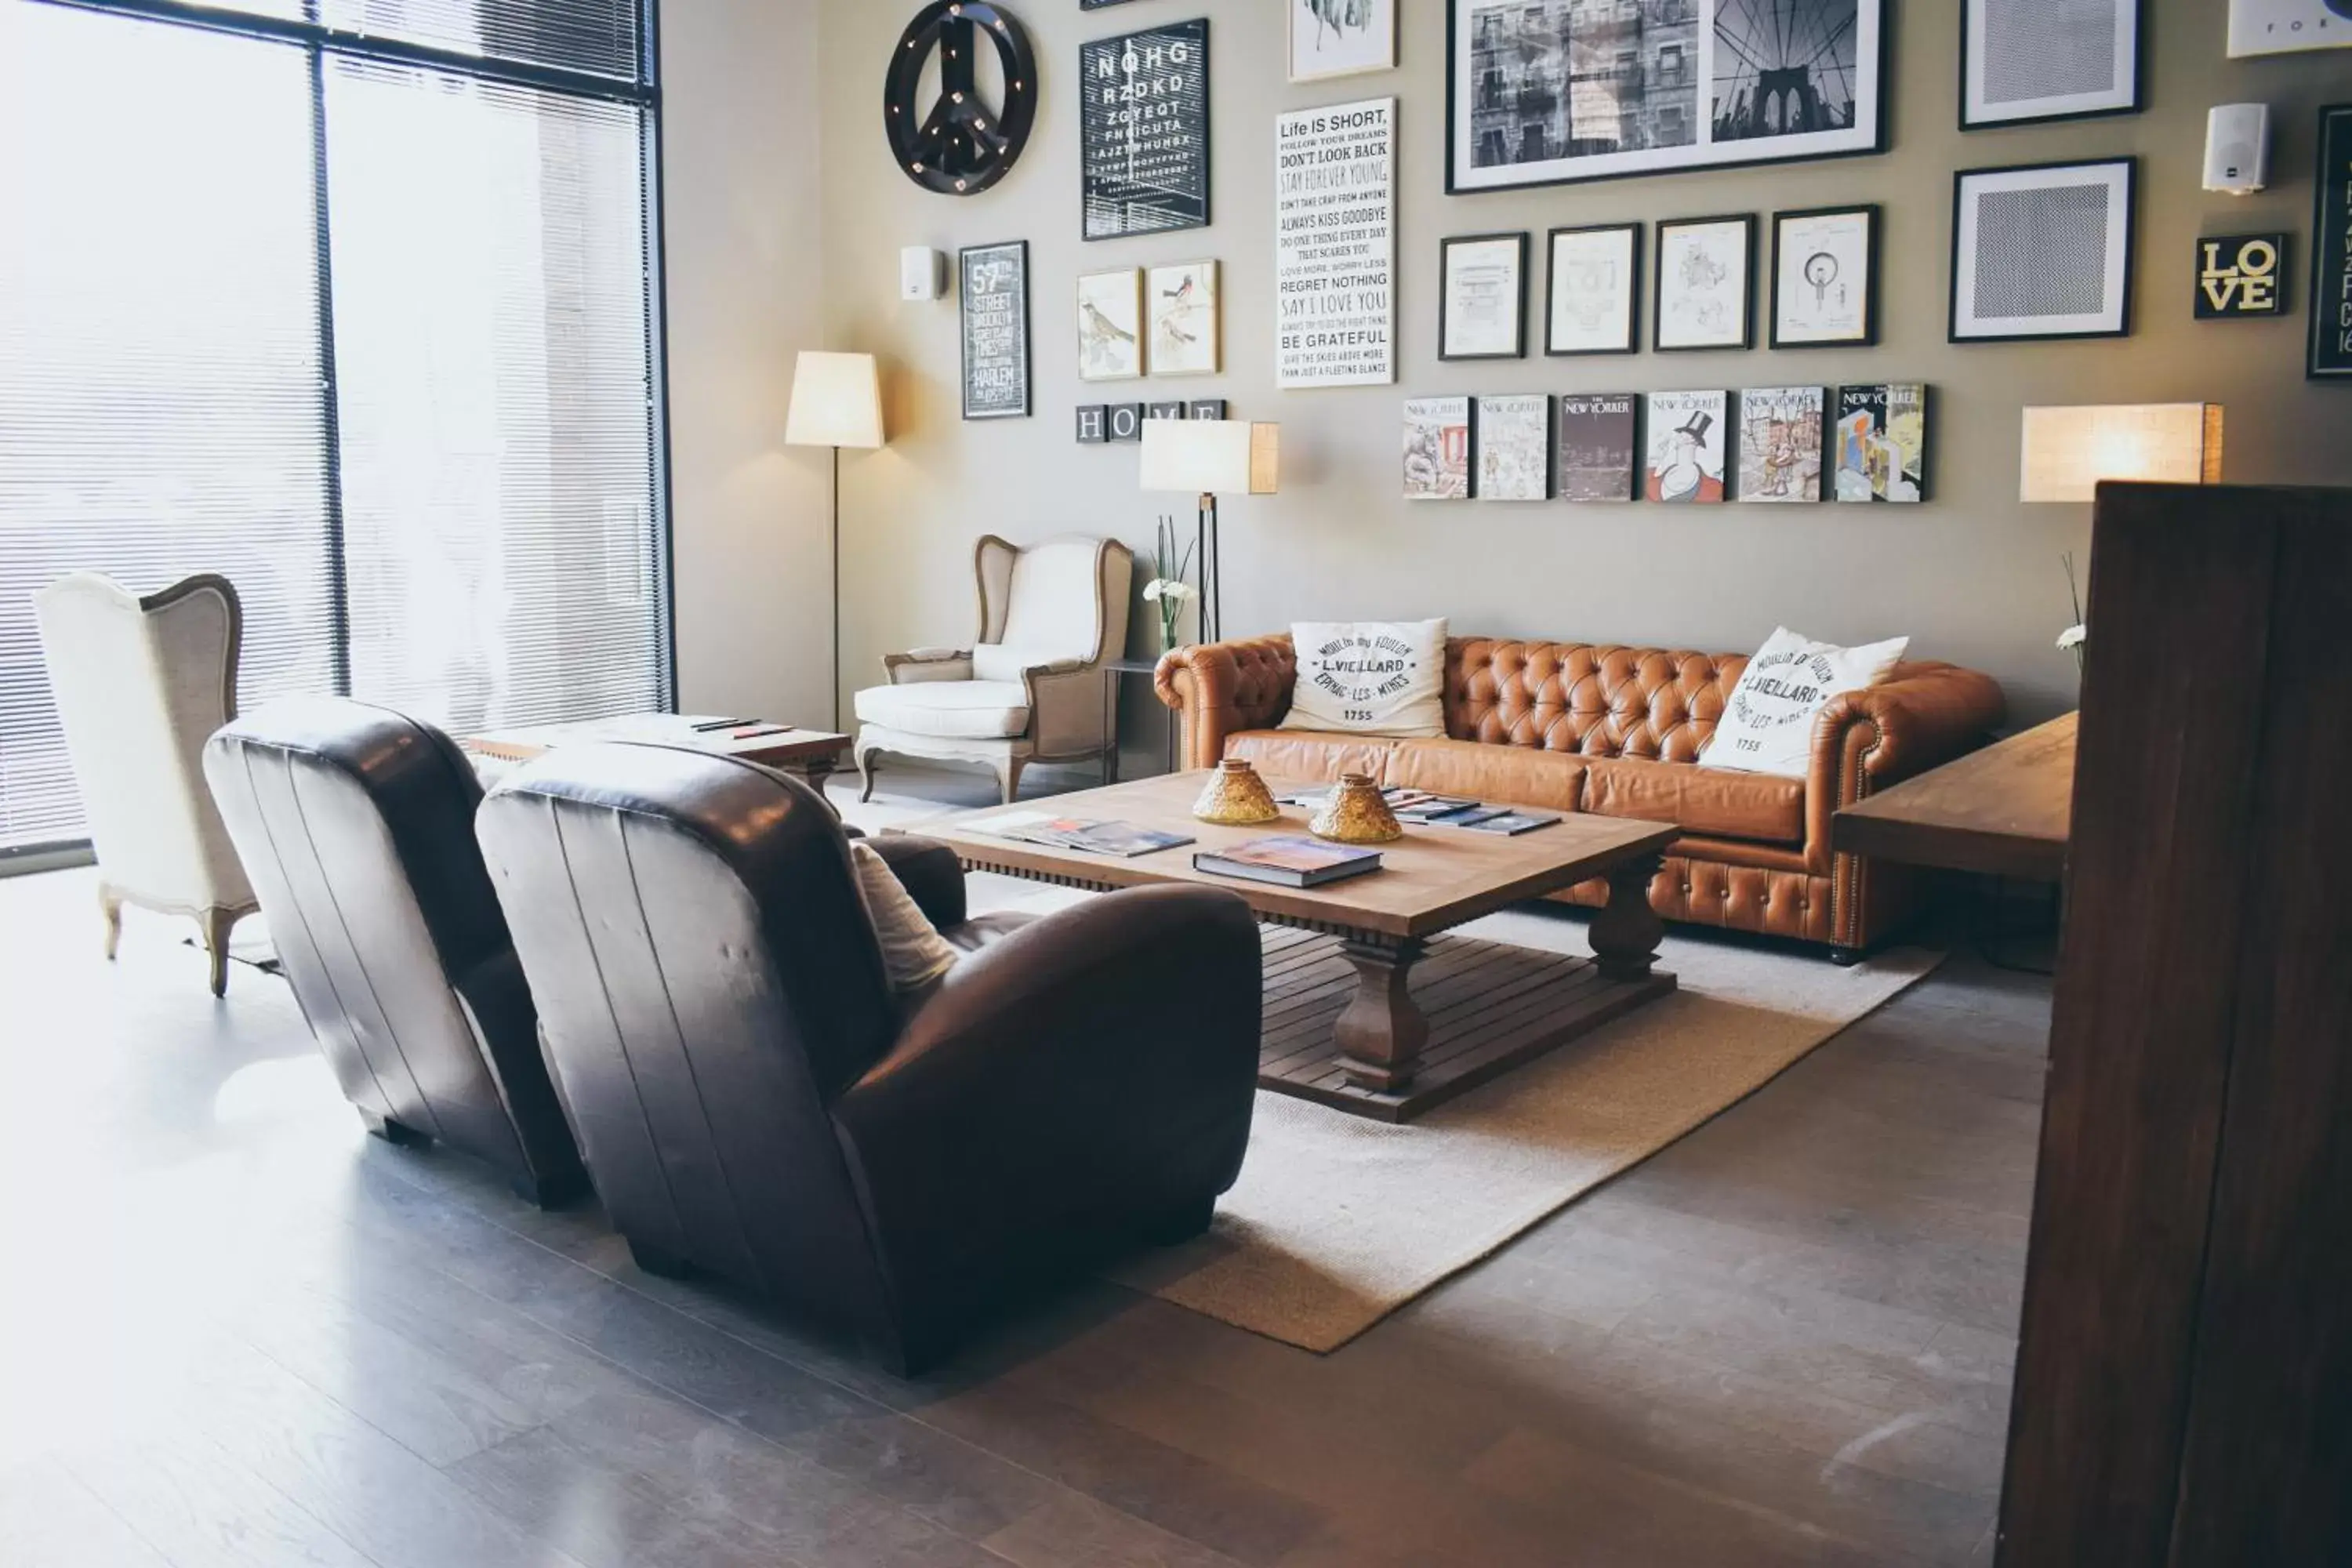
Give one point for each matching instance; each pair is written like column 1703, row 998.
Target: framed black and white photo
column 1143, row 130
column 1825, row 277
column 1543, row 92
column 2331, row 247
column 2026, row 61
column 2043, row 251
column 1515, row 448
column 1483, row 297
column 1593, row 292
column 1706, row 284
column 994, row 297
column 1341, row 37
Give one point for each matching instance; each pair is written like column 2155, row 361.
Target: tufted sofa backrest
column 1654, row 704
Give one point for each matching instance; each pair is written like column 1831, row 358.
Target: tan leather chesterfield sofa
column 1617, row 731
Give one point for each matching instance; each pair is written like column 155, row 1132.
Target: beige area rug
column 1337, row 1221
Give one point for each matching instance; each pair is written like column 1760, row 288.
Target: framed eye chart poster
column 1143, row 130
column 1335, row 245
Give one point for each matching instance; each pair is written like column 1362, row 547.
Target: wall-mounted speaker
column 2282, row 26
column 2238, row 148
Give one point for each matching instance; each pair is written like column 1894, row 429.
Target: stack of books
column 1288, row 862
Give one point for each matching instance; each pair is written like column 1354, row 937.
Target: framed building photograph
column 1515, row 448
column 1781, row 437
column 1545, row 92
column 1437, row 442
column 1186, row 318
column 1143, row 130
column 1825, row 277
column 2043, row 251
column 1689, row 433
column 1482, row 303
column 993, row 299
column 1593, row 290
column 1706, row 284
column 2028, row 61
column 1110, row 325
column 1341, row 37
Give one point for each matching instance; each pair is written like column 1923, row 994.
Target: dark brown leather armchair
column 356, row 824
column 754, row 1100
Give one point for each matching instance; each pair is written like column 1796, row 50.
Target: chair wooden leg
column 866, row 771
column 217, row 924
column 110, row 905
column 1008, row 778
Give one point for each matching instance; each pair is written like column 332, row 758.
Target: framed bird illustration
column 1110, row 325
column 1182, row 305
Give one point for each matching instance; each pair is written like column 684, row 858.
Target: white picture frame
column 1331, row 39
column 2043, row 251
column 2050, row 60
column 1110, row 324
column 1185, row 306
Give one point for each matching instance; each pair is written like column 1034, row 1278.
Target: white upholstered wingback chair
column 1029, row 688
column 140, row 683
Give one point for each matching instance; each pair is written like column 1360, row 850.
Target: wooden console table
column 2006, row 811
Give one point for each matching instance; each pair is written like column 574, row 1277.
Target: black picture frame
column 1872, row 248
column 1658, row 286
column 1881, row 105
column 1110, row 201
column 2130, row 165
column 1445, row 295
column 1639, row 234
column 2330, row 357
column 2138, row 11
column 965, row 293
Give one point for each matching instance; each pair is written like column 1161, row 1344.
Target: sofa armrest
column 1922, row 717
column 927, row 663
column 1091, row 1074
column 1224, row 688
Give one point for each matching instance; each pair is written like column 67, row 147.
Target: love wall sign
column 2242, row 277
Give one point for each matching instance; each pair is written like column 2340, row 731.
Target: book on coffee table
column 1124, row 839
column 1511, row 824
column 1289, row 862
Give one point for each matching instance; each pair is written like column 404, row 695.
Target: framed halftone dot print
column 2043, row 251
column 2025, row 62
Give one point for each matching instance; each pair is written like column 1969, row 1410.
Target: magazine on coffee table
column 1511, row 824
column 1289, row 861
column 1123, row 839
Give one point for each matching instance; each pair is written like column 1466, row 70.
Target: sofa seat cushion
column 950, row 710
column 1308, row 756
column 1498, row 775
column 1762, row 807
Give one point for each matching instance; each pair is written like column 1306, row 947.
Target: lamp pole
column 833, row 541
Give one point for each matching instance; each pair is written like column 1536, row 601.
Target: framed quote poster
column 1335, row 245
column 1545, row 92
column 1143, row 130
column 2331, row 245
column 993, row 295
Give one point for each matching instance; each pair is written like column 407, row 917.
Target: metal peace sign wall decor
column 957, row 144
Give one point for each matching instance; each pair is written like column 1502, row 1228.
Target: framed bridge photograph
column 1546, row 92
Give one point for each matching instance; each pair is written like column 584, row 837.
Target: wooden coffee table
column 812, row 754
column 1370, row 1006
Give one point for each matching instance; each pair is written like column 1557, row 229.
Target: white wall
column 746, row 287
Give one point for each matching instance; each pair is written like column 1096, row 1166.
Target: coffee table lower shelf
column 1491, row 1008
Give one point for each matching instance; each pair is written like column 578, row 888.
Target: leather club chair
column 357, row 826
column 754, row 1102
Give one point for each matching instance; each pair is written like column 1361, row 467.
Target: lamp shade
column 836, row 400
column 1212, row 456
column 2069, row 452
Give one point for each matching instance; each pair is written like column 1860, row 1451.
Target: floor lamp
column 1210, row 458
column 837, row 403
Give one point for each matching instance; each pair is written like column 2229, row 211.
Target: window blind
column 161, row 408
column 599, row 38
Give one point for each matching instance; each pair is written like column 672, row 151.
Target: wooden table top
column 792, row 747
column 1431, row 880
column 2006, row 811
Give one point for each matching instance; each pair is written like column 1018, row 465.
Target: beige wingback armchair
column 1029, row 688
column 139, row 684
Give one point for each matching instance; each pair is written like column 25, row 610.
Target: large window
column 353, row 301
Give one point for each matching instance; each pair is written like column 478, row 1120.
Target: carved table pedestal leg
column 1625, row 936
column 1382, row 1031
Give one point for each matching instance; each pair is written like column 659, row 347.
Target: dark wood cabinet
column 2184, row 1382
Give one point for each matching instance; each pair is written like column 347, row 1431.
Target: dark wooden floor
column 234, row 1330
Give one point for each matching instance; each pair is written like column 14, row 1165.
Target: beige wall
column 745, row 278
column 1972, row 576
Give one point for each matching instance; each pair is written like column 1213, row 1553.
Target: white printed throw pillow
column 1768, row 725
column 1369, row 677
